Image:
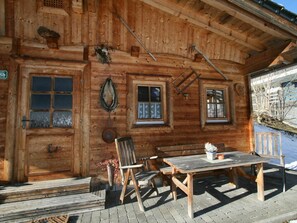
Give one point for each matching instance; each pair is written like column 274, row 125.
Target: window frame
column 149, row 84
column 135, row 80
column 227, row 88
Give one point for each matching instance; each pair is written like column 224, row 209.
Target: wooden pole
column 193, row 47
column 135, row 36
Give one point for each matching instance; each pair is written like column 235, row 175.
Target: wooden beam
column 266, row 15
column 263, row 60
column 37, row 50
column 9, row 156
column 248, row 17
column 290, row 55
column 209, row 25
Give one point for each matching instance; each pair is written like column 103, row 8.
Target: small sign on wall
column 3, row 74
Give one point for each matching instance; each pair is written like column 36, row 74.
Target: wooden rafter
column 263, row 59
column 215, row 27
column 247, row 17
column 267, row 16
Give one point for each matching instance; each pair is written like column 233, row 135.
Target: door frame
column 81, row 112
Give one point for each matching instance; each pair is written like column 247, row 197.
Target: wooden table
column 191, row 165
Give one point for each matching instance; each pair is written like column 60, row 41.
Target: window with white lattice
column 148, row 101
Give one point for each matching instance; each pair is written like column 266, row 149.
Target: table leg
column 233, row 177
column 173, row 185
column 260, row 181
column 190, row 195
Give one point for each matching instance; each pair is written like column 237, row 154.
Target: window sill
column 151, row 128
column 218, row 126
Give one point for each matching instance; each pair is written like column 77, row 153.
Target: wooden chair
column 268, row 144
column 131, row 170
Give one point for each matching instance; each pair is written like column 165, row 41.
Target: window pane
column 155, row 110
column 39, row 119
column 155, row 94
column 143, row 110
column 63, row 101
column 40, row 101
column 62, row 119
column 41, row 83
column 211, row 111
column 219, row 96
column 63, row 84
column 215, row 96
column 143, row 93
column 221, row 111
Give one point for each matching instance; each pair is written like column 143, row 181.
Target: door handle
column 24, row 120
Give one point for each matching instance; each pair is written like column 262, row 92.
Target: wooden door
column 49, row 144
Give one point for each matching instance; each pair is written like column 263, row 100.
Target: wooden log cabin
column 179, row 69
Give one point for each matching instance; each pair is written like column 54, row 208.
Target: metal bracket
column 24, row 121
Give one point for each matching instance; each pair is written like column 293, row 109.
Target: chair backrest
column 268, row 144
column 125, row 150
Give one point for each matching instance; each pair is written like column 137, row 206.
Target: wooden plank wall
column 168, row 38
column 186, row 112
column 4, row 65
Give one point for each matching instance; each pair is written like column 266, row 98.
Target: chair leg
column 122, row 197
column 140, row 204
column 284, row 178
column 155, row 187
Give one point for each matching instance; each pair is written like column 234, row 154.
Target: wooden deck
column 32, row 201
column 216, row 201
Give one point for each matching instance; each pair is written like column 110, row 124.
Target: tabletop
column 199, row 163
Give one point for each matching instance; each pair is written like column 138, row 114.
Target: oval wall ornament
column 3, row 74
column 108, row 96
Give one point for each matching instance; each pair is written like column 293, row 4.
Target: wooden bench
column 184, row 150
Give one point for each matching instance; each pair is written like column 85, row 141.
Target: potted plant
column 211, row 151
column 112, row 168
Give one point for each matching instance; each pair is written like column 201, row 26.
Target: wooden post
column 9, row 156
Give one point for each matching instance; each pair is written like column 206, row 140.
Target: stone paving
column 214, row 201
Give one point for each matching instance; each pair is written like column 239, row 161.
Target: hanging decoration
column 102, row 53
column 108, row 96
column 109, row 101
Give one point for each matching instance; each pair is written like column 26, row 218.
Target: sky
column 290, row 5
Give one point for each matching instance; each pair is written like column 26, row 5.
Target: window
column 147, row 102
column 217, row 105
column 51, row 102
column 60, row 7
column 53, row 3
column 150, row 98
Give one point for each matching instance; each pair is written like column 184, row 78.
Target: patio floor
column 214, row 201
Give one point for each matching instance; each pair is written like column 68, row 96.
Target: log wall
column 186, row 126
column 167, row 36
